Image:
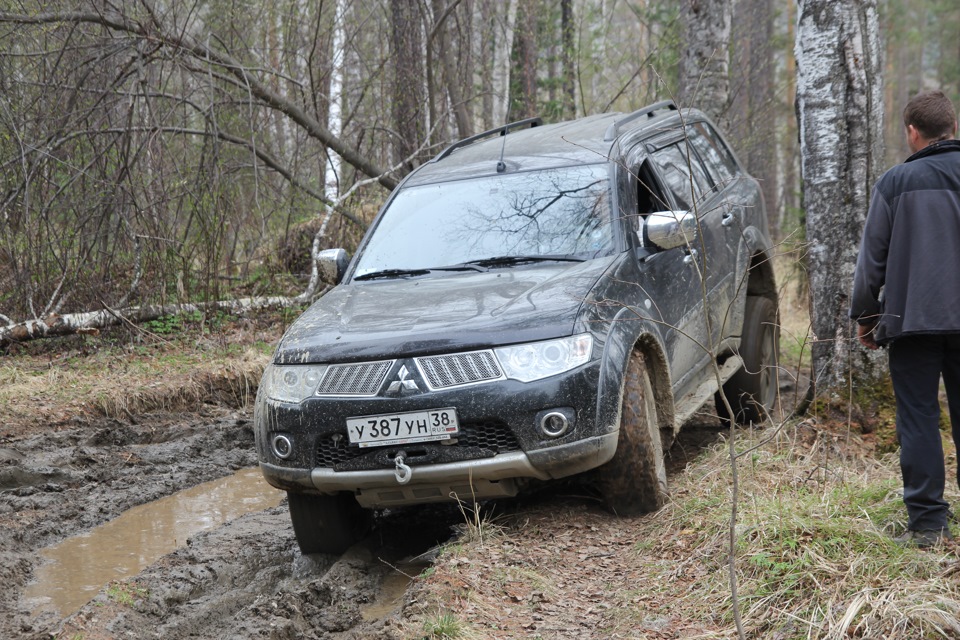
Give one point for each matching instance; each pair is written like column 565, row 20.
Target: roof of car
column 586, row 140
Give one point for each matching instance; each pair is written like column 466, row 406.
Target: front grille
column 363, row 379
column 461, row 368
column 487, row 434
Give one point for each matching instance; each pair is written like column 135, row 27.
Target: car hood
column 450, row 312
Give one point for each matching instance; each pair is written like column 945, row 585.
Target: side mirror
column 332, row 264
column 668, row 229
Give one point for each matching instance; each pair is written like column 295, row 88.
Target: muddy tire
column 327, row 524
column 634, row 481
column 752, row 391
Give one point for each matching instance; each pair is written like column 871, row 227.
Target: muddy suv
column 535, row 302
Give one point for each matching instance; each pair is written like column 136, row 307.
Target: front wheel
column 634, row 481
column 327, row 524
column 752, row 391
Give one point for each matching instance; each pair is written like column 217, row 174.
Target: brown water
column 77, row 568
column 392, row 590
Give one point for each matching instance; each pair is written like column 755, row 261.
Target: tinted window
column 717, row 158
column 562, row 211
column 676, row 169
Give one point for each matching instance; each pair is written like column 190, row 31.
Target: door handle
column 728, row 219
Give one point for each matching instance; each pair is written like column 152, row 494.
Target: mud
column 244, row 578
column 74, row 570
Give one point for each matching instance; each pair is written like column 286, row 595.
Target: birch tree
column 840, row 111
column 705, row 59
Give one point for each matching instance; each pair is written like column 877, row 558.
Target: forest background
column 190, row 152
column 174, row 152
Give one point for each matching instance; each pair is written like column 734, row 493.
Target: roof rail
column 614, row 127
column 500, row 131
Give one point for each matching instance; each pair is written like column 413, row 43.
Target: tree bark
column 91, row 322
column 705, row 58
column 409, row 101
column 523, row 74
column 754, row 118
column 452, row 80
column 568, row 56
column 840, row 111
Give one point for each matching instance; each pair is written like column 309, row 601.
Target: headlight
column 291, row 383
column 537, row 360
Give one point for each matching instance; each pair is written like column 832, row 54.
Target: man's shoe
column 923, row 539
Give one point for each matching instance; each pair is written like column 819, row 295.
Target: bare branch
column 156, row 34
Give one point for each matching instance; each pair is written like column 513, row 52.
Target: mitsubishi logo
column 403, row 382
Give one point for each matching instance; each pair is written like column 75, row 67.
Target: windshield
column 560, row 212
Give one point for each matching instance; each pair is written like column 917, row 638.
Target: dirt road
column 245, row 578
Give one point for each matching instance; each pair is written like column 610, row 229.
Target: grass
column 814, row 555
column 126, row 593
column 118, row 373
column 443, row 625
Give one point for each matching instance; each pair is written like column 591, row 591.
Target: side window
column 676, row 170
column 650, row 196
column 717, row 157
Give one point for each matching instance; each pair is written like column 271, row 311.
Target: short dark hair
column 932, row 114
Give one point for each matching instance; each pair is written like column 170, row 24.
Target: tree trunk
column 92, row 321
column 523, row 75
column 409, row 100
column 705, row 59
column 448, row 61
column 754, row 116
column 840, row 110
column 335, row 106
column 568, row 56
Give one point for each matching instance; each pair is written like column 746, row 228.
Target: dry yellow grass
column 814, row 557
column 48, row 385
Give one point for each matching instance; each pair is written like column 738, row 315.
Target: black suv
column 536, row 301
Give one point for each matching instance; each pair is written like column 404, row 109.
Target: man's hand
column 866, row 337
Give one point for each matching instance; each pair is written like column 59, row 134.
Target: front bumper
column 500, row 447
column 484, row 478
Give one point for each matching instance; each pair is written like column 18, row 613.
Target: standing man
column 906, row 294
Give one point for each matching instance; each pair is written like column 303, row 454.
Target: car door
column 670, row 288
column 728, row 200
column 694, row 190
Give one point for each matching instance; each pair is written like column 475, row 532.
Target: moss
column 873, row 409
column 870, row 408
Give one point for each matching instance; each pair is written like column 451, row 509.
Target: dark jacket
column 908, row 270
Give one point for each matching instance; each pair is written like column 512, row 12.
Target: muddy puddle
column 392, row 590
column 77, row 568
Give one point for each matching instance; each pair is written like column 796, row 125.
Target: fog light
column 282, row 447
column 554, row 424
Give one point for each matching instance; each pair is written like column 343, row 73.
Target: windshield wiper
column 508, row 260
column 391, row 273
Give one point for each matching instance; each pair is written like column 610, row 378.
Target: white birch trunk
column 335, row 115
column 840, row 112
column 92, row 321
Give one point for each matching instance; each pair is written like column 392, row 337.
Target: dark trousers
column 916, row 364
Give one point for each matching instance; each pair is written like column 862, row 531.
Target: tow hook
column 402, row 471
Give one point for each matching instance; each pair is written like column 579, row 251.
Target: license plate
column 403, row 428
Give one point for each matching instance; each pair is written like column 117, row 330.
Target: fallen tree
column 91, row 322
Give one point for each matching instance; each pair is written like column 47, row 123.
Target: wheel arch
column 629, row 334
column 756, row 262
column 656, row 362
